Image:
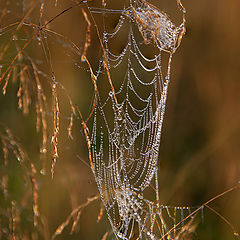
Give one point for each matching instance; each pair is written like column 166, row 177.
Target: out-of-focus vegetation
column 200, row 149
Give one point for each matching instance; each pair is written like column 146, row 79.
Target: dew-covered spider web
column 131, row 84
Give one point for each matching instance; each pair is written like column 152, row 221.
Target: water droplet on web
column 236, row 234
column 119, row 117
column 19, row 159
column 110, row 93
column 43, row 150
column 43, row 171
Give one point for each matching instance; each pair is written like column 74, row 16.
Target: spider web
column 131, row 84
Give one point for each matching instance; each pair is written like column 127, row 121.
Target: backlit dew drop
column 43, row 171
column 236, row 234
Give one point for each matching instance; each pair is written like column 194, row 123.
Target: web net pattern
column 128, row 117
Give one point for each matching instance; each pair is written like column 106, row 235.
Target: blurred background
column 200, row 146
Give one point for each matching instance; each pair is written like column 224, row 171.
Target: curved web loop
column 128, row 117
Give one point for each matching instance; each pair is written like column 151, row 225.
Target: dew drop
column 236, row 234
column 43, row 150
column 119, row 117
column 43, row 172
